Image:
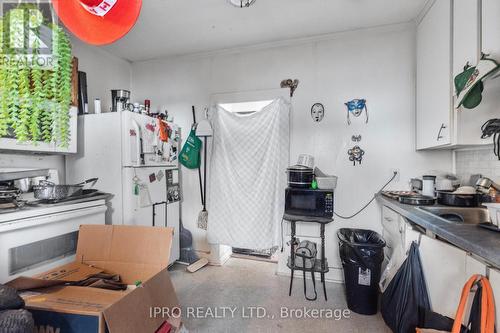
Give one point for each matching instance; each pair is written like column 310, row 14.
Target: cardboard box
column 136, row 254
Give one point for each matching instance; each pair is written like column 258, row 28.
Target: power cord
column 369, row 203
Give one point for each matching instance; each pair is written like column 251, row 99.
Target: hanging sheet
column 247, row 176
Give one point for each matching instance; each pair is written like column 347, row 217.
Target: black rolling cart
column 320, row 265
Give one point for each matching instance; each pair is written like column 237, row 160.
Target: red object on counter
column 147, row 105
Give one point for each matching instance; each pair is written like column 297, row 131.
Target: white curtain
column 247, row 176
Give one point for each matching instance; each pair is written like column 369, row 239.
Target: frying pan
column 448, row 198
column 49, row 191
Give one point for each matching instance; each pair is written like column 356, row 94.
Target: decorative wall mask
column 317, row 112
column 356, row 155
column 289, row 83
column 356, row 108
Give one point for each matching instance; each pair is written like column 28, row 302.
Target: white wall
column 104, row 72
column 377, row 64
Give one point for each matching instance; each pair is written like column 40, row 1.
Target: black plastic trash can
column 362, row 254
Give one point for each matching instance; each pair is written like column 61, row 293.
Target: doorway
column 246, row 104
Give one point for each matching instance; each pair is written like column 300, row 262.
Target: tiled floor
column 242, row 284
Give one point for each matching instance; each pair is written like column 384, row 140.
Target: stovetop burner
column 9, row 197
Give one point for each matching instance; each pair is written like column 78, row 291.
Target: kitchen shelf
column 8, row 174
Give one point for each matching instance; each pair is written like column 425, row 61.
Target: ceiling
column 175, row 27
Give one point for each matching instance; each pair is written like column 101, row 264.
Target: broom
column 203, row 216
column 188, row 254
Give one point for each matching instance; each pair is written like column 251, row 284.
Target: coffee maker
column 120, row 100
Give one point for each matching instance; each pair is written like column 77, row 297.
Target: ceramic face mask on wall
column 317, row 112
column 356, row 108
column 356, row 154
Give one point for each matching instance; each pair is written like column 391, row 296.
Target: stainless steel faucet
column 485, row 184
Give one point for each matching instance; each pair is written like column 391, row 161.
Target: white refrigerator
column 135, row 164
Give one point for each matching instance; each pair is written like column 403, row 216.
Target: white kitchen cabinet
column 473, row 26
column 494, row 278
column 397, row 232
column 470, row 121
column 491, row 28
column 474, row 266
column 43, row 147
column 466, row 31
column 390, row 231
column 447, row 273
column 461, row 29
column 434, row 82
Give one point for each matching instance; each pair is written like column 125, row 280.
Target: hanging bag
column 190, row 153
column 406, row 298
column 482, row 317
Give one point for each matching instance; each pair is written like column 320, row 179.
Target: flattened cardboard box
column 136, row 254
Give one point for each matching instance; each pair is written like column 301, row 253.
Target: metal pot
column 49, row 191
column 449, row 198
column 300, row 176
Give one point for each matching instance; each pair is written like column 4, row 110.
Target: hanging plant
column 35, row 101
column 61, row 78
column 38, row 97
column 4, row 107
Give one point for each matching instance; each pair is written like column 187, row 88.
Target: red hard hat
column 98, row 22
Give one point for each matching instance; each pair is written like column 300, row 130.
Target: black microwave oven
column 309, row 202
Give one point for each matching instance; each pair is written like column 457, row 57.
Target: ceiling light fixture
column 242, row 3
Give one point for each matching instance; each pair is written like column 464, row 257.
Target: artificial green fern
column 37, row 97
column 4, row 106
column 63, row 79
column 35, row 102
column 24, row 114
column 46, row 117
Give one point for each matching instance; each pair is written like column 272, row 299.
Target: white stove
column 37, row 238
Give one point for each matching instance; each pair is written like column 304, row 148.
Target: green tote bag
column 190, row 153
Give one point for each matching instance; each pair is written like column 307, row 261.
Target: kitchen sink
column 462, row 215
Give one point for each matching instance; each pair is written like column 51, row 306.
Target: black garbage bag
column 362, row 247
column 405, row 301
column 9, row 299
column 362, row 254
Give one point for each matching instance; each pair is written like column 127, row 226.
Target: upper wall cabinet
column 8, row 144
column 465, row 34
column 433, row 76
column 468, row 27
column 491, row 28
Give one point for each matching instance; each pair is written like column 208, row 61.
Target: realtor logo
column 25, row 32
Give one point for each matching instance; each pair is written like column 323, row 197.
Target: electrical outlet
column 398, row 175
